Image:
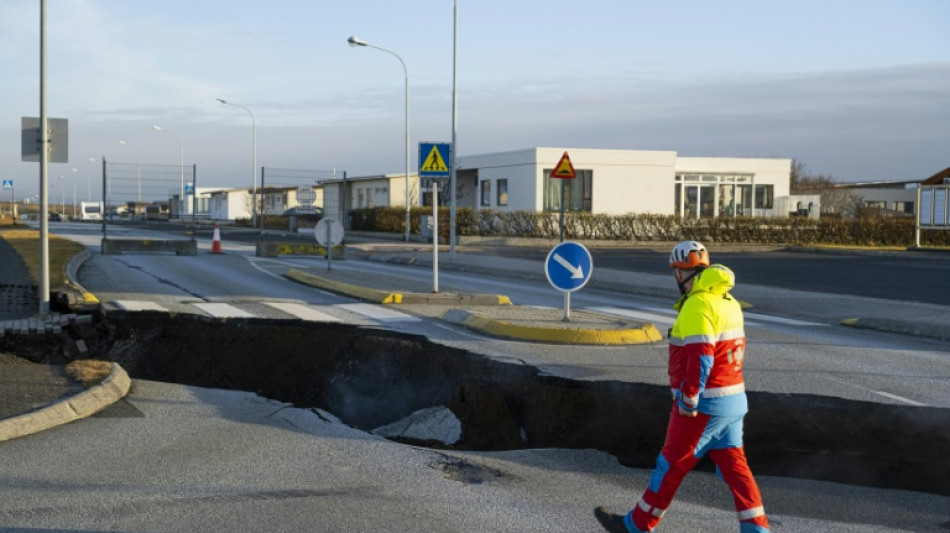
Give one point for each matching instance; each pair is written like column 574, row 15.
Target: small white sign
column 306, row 196
column 328, row 232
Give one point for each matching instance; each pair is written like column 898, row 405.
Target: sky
column 858, row 90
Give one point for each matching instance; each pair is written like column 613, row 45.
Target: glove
column 686, row 412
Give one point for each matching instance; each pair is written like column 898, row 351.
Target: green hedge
column 632, row 227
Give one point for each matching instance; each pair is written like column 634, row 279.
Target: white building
column 384, row 190
column 231, row 204
column 627, row 181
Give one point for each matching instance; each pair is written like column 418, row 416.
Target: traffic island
column 548, row 325
column 370, row 289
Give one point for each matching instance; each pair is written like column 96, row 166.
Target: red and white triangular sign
column 564, row 168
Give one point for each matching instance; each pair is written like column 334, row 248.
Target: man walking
column 707, row 346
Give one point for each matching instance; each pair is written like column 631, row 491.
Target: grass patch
column 26, row 242
column 88, row 372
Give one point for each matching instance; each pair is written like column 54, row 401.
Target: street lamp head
column 157, row 128
column 356, row 41
column 123, row 142
column 220, row 100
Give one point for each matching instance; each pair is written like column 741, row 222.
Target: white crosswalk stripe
column 222, row 310
column 138, row 305
column 303, row 312
column 379, row 313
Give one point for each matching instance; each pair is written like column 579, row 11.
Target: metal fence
column 137, row 192
column 293, row 199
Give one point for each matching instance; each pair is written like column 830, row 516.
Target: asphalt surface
column 35, row 397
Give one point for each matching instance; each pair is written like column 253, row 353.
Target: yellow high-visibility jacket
column 707, row 347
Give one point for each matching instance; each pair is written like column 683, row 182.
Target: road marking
column 899, row 398
column 780, row 320
column 254, row 264
column 378, row 312
column 221, row 310
column 303, row 312
column 879, row 393
column 458, row 331
column 138, row 305
column 631, row 313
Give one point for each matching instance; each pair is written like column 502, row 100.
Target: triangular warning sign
column 564, row 168
column 434, row 162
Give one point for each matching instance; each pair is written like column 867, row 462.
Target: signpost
column 568, row 268
column 564, row 170
column 329, row 233
column 8, row 184
column 432, row 164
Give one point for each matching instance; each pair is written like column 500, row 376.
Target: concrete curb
column 386, row 297
column 644, row 334
column 902, row 327
column 85, row 298
column 82, row 405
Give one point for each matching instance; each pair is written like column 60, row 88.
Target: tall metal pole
column 253, row 160
column 455, row 124
column 406, row 72
column 356, row 41
column 181, row 168
column 44, row 167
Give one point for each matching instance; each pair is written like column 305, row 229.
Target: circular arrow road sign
column 568, row 266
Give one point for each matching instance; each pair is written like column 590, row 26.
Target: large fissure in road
column 372, row 377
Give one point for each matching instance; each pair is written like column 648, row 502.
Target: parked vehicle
column 90, row 211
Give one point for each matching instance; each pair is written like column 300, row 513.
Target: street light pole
column 75, row 177
column 89, row 183
column 138, row 168
column 455, row 127
column 253, row 159
column 356, row 41
column 181, row 169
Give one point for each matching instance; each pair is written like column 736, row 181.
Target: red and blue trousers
column 688, row 439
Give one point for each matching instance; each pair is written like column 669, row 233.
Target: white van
column 90, row 210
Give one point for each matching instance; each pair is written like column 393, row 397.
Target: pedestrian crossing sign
column 433, row 160
column 7, row 184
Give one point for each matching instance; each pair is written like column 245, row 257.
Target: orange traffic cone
column 216, row 243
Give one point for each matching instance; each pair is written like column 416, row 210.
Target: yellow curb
column 82, row 405
column 642, row 335
column 850, row 321
column 362, row 293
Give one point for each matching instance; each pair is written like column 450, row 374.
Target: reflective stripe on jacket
column 707, row 346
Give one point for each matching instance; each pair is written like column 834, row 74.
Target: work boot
column 612, row 522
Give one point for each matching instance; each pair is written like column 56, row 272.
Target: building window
column 578, row 192
column 904, row 207
column 763, row 196
column 486, row 193
column 502, row 192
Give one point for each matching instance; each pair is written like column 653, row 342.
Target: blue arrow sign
column 568, row 266
column 7, row 184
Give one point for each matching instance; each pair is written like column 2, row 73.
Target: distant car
column 55, row 217
column 304, row 211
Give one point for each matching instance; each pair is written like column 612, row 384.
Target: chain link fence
column 137, row 193
column 293, row 199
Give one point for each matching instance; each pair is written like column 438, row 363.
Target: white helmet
column 689, row 255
